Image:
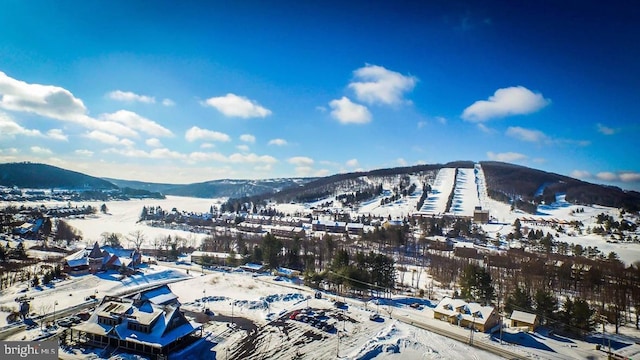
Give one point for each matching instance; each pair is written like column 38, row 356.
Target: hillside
column 531, row 185
column 41, row 176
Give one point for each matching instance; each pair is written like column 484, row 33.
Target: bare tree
column 136, row 238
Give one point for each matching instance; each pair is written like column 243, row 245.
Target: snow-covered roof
column 523, row 317
column 159, row 296
column 468, row 311
column 159, row 317
column 219, row 255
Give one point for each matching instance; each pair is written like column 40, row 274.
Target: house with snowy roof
column 466, row 314
column 97, row 259
column 523, row 319
column 149, row 323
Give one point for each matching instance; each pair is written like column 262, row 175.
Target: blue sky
column 193, row 91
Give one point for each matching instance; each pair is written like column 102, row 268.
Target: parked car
column 415, row 305
column 375, row 317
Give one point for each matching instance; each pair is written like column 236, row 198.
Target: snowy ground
column 259, row 307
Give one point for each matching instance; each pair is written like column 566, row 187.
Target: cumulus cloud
column 529, row 135
column 232, row 105
column 57, row 134
column 506, row 156
column 235, row 158
column 84, row 152
column 628, row 176
column 516, row 100
column 348, row 112
column 605, row 130
column 45, row 100
column 352, row 163
column 243, row 148
column 153, row 142
column 300, row 161
column 53, row 102
column 607, row 176
column 168, row 102
column 196, row 133
column 10, row 128
column 581, row 174
column 248, row 138
column 277, row 142
column 160, row 153
column 128, row 96
column 135, row 121
column 40, row 150
column 375, row 84
column 109, row 139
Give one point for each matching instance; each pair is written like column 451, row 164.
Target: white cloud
column 441, row 119
column 352, row 163
column 348, row 112
column 300, row 161
column 153, row 142
column 376, row 84
column 45, row 100
column 232, row 105
column 252, row 158
column 278, row 142
column 160, row 153
column 624, row 176
column 516, row 100
column 322, row 172
column 84, row 152
column 57, row 134
column 196, row 133
column 106, row 138
column 236, row 158
column 129, row 96
column 248, row 138
column 401, row 162
column 321, row 109
column 207, row 145
column 10, row 128
column 243, row 148
column 606, row 130
column 581, row 174
column 529, row 135
column 52, row 102
column 506, row 157
column 628, row 176
column 40, row 150
column 485, row 129
column 607, row 176
column 168, row 102
column 135, row 121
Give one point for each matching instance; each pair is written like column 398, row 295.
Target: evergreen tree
column 519, row 300
column 546, row 304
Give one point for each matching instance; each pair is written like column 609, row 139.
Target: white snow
column 436, row 202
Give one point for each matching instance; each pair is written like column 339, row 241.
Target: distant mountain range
column 217, row 188
column 505, row 182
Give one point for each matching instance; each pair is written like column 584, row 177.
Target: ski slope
column 436, row 202
column 465, row 193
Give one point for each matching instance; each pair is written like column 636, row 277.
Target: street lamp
column 54, row 311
